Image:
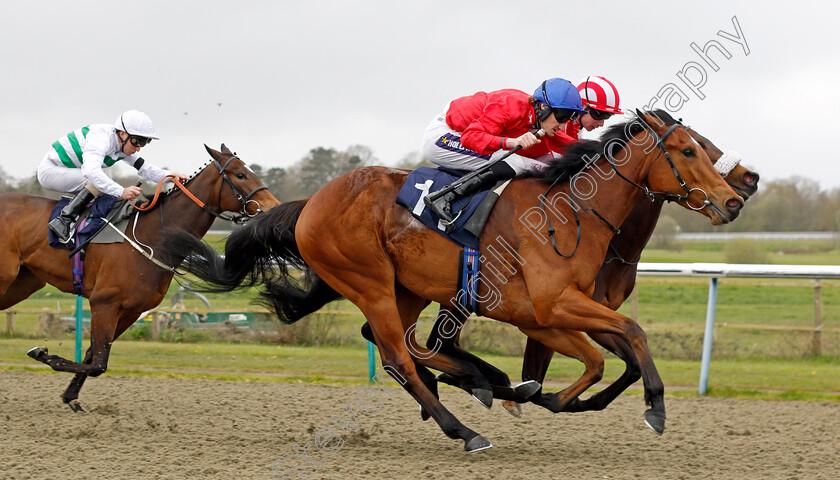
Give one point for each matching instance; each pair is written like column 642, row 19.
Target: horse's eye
column 241, row 176
column 688, row 152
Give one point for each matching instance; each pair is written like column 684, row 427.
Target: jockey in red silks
column 475, row 130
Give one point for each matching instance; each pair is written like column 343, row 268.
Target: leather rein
column 243, row 216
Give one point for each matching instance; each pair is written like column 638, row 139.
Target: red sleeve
column 483, row 134
column 504, row 115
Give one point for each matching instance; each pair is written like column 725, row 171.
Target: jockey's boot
column 440, row 202
column 63, row 224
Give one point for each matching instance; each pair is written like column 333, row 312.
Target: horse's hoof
column 476, row 444
column 527, row 389
column 75, row 406
column 447, row 379
column 655, row 420
column 512, row 408
column 38, row 353
column 483, row 396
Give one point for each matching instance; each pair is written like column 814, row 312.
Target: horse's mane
column 580, row 154
column 664, row 116
column 190, row 178
column 173, row 190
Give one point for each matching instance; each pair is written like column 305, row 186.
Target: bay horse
column 368, row 249
column 613, row 285
column 119, row 281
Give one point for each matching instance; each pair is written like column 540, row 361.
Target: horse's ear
column 643, row 119
column 226, row 150
column 212, row 152
column 641, row 115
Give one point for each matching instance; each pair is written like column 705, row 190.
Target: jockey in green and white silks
column 79, row 157
column 75, row 162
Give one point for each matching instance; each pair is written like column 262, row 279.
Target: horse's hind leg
column 377, row 301
column 71, row 396
column 445, row 340
column 427, row 377
column 24, row 284
column 395, row 354
column 467, row 375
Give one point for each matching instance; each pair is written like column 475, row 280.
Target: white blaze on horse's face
column 247, row 167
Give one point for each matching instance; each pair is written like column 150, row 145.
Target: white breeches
column 442, row 146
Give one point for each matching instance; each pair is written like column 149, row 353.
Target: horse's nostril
column 734, row 204
column 750, row 178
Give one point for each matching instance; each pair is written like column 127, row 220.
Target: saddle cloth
column 424, row 181
column 95, row 214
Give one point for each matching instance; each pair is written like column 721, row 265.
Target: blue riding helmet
column 561, row 94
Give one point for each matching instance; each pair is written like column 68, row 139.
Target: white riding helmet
column 136, row 123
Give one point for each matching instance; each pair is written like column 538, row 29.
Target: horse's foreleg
column 102, row 330
column 631, row 374
column 535, row 362
column 575, row 311
column 71, row 395
column 572, row 344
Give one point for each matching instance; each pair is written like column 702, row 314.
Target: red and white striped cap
column 599, row 93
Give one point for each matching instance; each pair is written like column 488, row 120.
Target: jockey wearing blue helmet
column 475, row 131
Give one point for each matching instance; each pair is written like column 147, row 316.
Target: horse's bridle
column 652, row 195
column 244, row 216
column 666, row 196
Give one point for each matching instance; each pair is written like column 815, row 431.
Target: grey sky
column 291, row 76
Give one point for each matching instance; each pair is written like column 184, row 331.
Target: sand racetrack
column 144, row 428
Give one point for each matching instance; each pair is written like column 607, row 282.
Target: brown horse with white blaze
column 368, row 249
column 119, row 281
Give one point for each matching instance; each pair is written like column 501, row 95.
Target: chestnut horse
column 119, row 282
column 613, row 285
column 366, row 248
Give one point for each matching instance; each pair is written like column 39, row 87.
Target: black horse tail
column 264, row 248
column 292, row 301
column 263, row 253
